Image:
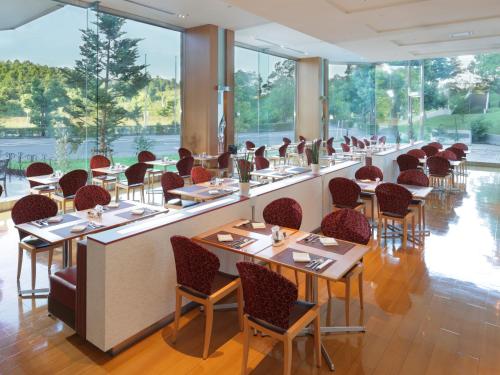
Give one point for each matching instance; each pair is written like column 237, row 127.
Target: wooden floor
column 430, row 311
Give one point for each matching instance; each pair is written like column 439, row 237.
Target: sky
column 55, row 38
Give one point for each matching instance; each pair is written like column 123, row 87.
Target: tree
column 106, row 74
column 436, row 72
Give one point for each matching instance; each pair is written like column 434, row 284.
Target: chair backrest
column 184, row 153
column 261, row 162
column 249, row 145
column 285, row 212
column 438, row 166
column 459, row 153
column 135, row 173
column 330, row 141
column 89, row 196
column 300, row 147
column 223, row 160
column 302, row 138
column 361, row 144
column 347, row 140
column 419, row 154
column 185, row 165
column 429, row 150
column 461, row 146
column 406, row 162
column 282, row 150
column 413, row 177
column 268, row 296
column 260, row 151
column 329, row 149
column 200, row 174
column 245, row 165
column 99, row 161
column 369, row 172
column 345, row 147
column 382, row 140
column 354, row 141
column 169, row 181
column 447, row 154
column 309, row 153
column 366, row 142
column 344, row 192
column 438, row 145
column 286, row 140
column 1, row 190
column 195, row 266
column 38, row 169
column 145, row 156
column 374, row 137
column 72, row 181
column 347, row 225
column 32, row 207
column 393, row 199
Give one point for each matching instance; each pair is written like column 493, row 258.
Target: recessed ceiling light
column 181, row 15
column 462, row 34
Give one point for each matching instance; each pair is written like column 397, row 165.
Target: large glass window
column 77, row 81
column 264, row 97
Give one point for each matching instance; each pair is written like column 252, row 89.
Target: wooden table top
column 161, row 162
column 202, row 191
column 111, row 170
column 58, row 232
column 48, row 179
column 420, row 192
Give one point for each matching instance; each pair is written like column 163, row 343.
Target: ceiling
column 340, row 30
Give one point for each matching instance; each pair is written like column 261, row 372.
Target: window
column 79, row 81
column 264, row 97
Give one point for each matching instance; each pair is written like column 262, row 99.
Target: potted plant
column 315, row 156
column 398, row 139
column 244, row 166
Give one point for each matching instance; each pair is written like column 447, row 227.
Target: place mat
column 67, row 233
column 213, row 239
column 66, row 219
column 191, row 188
column 248, row 227
column 121, row 206
column 298, row 170
column 342, row 247
column 220, row 193
column 286, row 257
column 130, row 216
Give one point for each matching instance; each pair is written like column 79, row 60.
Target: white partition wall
column 386, row 160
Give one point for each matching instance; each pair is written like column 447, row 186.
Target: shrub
column 479, row 129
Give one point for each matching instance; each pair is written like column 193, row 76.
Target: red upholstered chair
column 437, row 145
column 461, row 156
column 361, row 145
column 330, row 150
column 271, row 307
column 260, row 151
column 393, row 203
column 39, row 169
column 447, row 154
column 329, row 141
column 309, row 156
column 429, row 150
column 406, row 162
column 345, row 194
column 145, row 156
column 222, row 165
column 439, row 171
column 282, row 154
column 200, row 175
column 27, row 209
column 261, row 162
column 286, row 140
column 199, row 280
column 245, row 165
column 382, row 140
column 348, row 225
column 416, row 177
column 89, row 196
column 345, row 147
column 184, row 166
column 68, row 293
column 461, row 146
column 374, row 137
column 68, row 186
column 134, row 181
column 366, row 142
column 285, row 212
column 347, row 140
column 170, row 181
column 184, row 153
column 299, row 155
column 249, row 145
column 302, row 138
column 99, row 178
column 369, row 172
column 419, row 154
column 354, row 141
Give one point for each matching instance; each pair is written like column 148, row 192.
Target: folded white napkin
column 301, row 257
column 78, row 228
column 213, row 192
column 328, row 241
column 55, row 219
column 114, row 205
column 138, row 211
column 258, row 226
column 224, row 238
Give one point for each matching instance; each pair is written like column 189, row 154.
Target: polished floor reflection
column 427, row 311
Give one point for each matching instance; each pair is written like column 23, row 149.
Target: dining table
column 161, row 163
column 279, row 172
column 255, row 243
column 112, row 170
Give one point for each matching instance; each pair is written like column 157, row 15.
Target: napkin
column 114, row 205
column 258, row 226
column 244, row 222
column 78, row 228
column 328, row 241
column 213, row 192
column 55, row 219
column 301, row 257
column 224, row 238
column 138, row 211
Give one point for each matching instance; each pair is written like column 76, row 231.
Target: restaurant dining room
column 250, row 187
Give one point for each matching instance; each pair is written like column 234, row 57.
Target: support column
column 310, row 98
column 229, row 95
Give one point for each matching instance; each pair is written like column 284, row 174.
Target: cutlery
column 323, row 265
column 320, row 262
column 313, row 264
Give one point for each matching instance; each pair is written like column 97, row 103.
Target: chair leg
column 239, row 296
column 329, row 287
column 360, row 286
column 347, row 299
column 33, row 269
column 413, row 229
column 19, row 262
column 296, row 277
column 51, row 255
column 287, row 357
column 177, row 316
column 246, row 347
column 405, row 234
column 209, row 316
column 128, row 194
column 317, row 340
column 116, row 192
column 142, row 194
